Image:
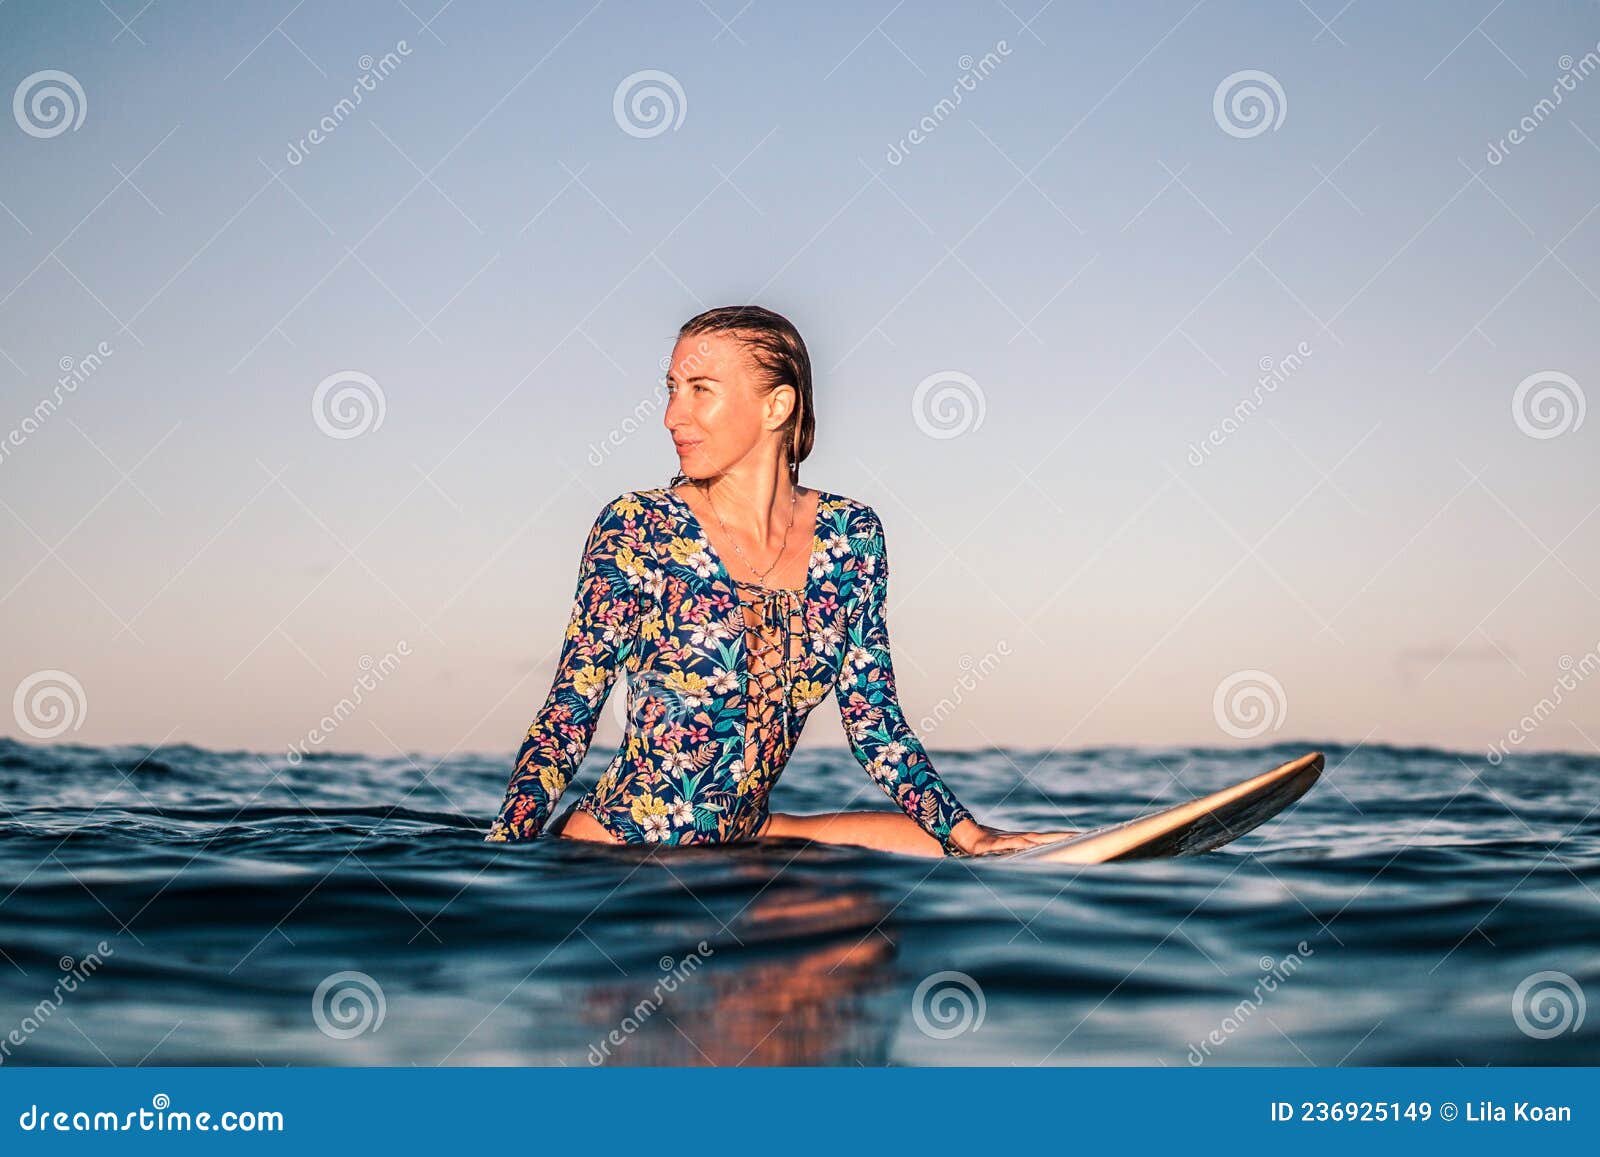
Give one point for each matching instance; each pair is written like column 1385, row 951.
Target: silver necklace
column 794, row 500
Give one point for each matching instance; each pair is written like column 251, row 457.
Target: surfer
column 730, row 636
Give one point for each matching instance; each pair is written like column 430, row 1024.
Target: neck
column 758, row 502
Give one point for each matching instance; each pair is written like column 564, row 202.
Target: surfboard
column 1188, row 828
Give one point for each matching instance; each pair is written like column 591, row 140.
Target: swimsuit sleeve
column 879, row 736
column 604, row 618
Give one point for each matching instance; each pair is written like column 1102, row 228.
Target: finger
column 1049, row 837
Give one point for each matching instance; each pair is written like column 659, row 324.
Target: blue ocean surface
column 186, row 906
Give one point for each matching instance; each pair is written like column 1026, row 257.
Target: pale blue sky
column 1080, row 237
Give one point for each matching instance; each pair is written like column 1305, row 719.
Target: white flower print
column 711, row 631
column 827, row 640
column 701, row 561
column 655, row 828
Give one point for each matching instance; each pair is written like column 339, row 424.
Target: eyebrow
column 697, row 378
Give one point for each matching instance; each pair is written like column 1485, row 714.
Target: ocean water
column 186, row 906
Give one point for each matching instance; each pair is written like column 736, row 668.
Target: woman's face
column 716, row 415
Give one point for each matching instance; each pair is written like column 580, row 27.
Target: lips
column 684, row 446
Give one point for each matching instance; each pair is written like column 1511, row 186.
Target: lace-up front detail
column 774, row 620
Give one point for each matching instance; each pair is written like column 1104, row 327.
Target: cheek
column 731, row 426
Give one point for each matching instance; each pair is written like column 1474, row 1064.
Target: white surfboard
column 1188, row 828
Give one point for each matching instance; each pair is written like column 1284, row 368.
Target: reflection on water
column 804, row 1000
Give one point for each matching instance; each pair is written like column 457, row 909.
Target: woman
column 733, row 621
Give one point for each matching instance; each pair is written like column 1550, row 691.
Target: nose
column 673, row 419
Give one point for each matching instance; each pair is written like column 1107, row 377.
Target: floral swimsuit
column 721, row 676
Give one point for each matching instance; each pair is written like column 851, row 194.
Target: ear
column 780, row 404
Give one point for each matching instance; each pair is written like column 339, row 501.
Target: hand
column 975, row 839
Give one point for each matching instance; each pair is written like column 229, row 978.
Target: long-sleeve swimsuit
column 721, row 675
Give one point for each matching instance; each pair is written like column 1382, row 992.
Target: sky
column 1219, row 372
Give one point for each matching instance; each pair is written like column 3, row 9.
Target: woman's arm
column 604, row 617
column 879, row 735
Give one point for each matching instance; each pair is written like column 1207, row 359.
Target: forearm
column 541, row 773
column 895, row 758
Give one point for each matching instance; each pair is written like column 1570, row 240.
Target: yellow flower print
column 691, row 553
column 682, row 549
column 691, row 686
column 807, row 693
column 630, row 563
column 646, row 806
column 589, row 681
